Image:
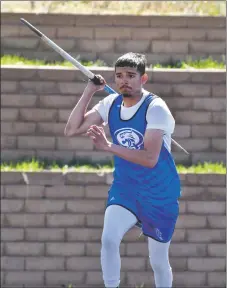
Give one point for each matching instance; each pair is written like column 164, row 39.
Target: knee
column 109, row 241
column 159, row 265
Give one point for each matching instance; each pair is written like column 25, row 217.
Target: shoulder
column 107, row 101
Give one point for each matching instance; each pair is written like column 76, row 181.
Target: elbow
column 151, row 162
column 68, row 132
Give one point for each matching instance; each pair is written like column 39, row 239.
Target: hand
column 93, row 87
column 98, row 137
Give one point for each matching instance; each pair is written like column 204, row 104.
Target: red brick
column 65, row 249
column 83, row 263
column 130, row 20
column 8, row 142
column 207, row 47
column 204, row 131
column 20, row 43
column 135, row 279
column 65, row 220
column 219, row 145
column 219, row 117
column 18, row 73
column 44, row 263
column 83, row 234
column 193, row 117
column 44, row 206
column 17, row 128
column 76, row 143
column 57, row 101
column 95, row 45
column 209, row 104
column 12, row 234
column 182, row 131
column 47, row 30
column 93, row 21
column 208, row 264
column 136, row 249
column 94, row 156
column 216, row 193
column 53, row 155
column 191, row 221
column 216, row 34
column 65, row 192
column 36, row 142
column 9, row 86
column 24, row 220
column 64, row 277
column 11, row 100
column 218, row 91
column 24, row 249
column 9, row 114
column 11, row 178
column 141, row 46
column 9, row 31
column 94, row 220
column 84, row 178
column 168, row 21
column 187, row 249
column 178, row 263
column 12, row 263
column 216, row 221
column 96, row 191
column 150, row 33
column 205, row 235
column 71, row 88
column 208, row 76
column 211, row 179
column 189, row 279
column 169, row 46
column 217, row 279
column 22, row 191
column 192, row 145
column 85, row 206
column 170, row 76
column 75, row 32
column 45, row 178
column 38, row 87
column 112, row 33
column 201, row 207
column 66, row 44
column 16, row 155
column 191, row 90
column 217, row 250
column 44, row 234
column 11, row 205
column 24, row 278
column 38, row 115
column 58, row 73
column 50, row 129
column 187, row 34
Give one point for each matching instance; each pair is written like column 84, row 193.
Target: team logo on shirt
column 129, row 138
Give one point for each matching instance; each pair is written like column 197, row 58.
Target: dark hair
column 131, row 59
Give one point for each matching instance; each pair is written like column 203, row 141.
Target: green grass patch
column 19, row 60
column 200, row 8
column 36, row 165
column 207, row 63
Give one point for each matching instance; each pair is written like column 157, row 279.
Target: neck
column 133, row 100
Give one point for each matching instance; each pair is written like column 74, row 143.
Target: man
column 146, row 186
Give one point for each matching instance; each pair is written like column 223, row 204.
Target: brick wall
column 162, row 38
column 36, row 103
column 51, row 232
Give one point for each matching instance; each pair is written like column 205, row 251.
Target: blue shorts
column 156, row 218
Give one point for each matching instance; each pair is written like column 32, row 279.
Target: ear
column 144, row 78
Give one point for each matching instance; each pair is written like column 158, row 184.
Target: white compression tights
column 117, row 222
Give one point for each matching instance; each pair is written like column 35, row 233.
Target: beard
column 126, row 95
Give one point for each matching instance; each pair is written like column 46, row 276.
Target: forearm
column 142, row 157
column 77, row 115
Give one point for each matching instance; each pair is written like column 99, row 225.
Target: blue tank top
column 154, row 182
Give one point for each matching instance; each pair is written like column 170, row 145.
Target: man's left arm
column 149, row 156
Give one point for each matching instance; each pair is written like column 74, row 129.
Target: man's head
column 130, row 74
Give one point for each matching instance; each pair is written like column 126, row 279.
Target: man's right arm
column 80, row 120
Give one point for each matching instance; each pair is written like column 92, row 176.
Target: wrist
column 109, row 147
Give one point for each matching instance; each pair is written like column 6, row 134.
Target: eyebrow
column 132, row 73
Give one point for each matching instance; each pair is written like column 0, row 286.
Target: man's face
column 128, row 81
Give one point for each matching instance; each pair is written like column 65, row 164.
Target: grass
column 200, row 8
column 36, row 165
column 207, row 63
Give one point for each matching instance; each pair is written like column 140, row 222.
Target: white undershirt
column 158, row 114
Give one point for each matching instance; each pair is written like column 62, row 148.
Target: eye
column 131, row 76
column 118, row 76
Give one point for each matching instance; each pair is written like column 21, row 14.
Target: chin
column 126, row 95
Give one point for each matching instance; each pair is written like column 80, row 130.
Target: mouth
column 125, row 88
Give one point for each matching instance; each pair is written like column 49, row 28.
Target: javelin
column 76, row 63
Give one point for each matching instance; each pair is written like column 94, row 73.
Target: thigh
column 117, row 221
column 158, row 222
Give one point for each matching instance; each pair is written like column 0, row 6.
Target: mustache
column 125, row 86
